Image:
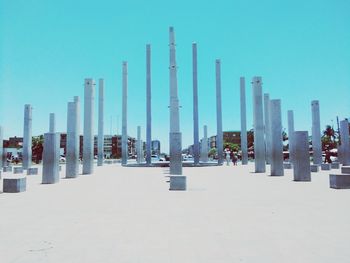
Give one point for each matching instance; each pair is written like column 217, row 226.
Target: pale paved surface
column 228, row 214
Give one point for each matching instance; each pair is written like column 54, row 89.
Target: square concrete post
column 244, row 140
column 219, row 134
column 124, row 115
column 275, row 123
column 148, row 106
column 88, row 140
column 100, row 138
column 73, row 140
column 138, row 145
column 204, row 146
column 345, row 145
column 290, row 134
column 195, row 105
column 301, row 163
column 258, row 117
column 267, row 128
column 316, row 132
column 27, row 137
column 1, row 147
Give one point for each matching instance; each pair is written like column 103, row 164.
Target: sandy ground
column 228, row 214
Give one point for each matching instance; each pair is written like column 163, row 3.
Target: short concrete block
column 7, row 169
column 17, row 170
column 60, row 168
column 14, row 185
column 345, row 170
column 325, row 166
column 335, row 165
column 177, row 182
column 108, row 161
column 314, row 168
column 287, row 165
column 339, row 181
column 32, row 171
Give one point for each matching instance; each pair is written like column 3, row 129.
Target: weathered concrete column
column 290, row 134
column 138, row 145
column 301, row 163
column 148, row 106
column 100, row 138
column 195, row 105
column 175, row 137
column 258, row 117
column 204, row 146
column 316, row 132
column 51, row 154
column 124, row 115
column 276, row 134
column 73, row 139
column 244, row 140
column 267, row 128
column 27, row 137
column 219, row 135
column 88, row 140
column 1, row 148
column 345, row 144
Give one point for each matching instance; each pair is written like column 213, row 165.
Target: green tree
column 37, row 148
column 329, row 138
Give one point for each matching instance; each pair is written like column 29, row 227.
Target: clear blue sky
column 47, row 48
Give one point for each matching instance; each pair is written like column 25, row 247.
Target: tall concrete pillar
column 148, row 106
column 290, row 134
column 244, row 140
column 88, row 140
column 175, row 137
column 219, row 135
column 276, row 134
column 267, row 128
column 124, row 115
column 259, row 143
column 301, row 164
column 27, row 137
column 1, row 147
column 195, row 105
column 51, row 154
column 100, row 137
column 204, row 151
column 316, row 132
column 345, row 144
column 138, row 145
column 73, row 139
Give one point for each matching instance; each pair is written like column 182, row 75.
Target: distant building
column 229, row 137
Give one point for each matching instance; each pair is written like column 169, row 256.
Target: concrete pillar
column 175, row 137
column 204, row 151
column 276, row 133
column 267, row 128
column 148, row 106
column 88, row 140
column 258, row 117
column 138, row 145
column 219, row 135
column 290, row 134
column 301, row 165
column 73, row 139
column 244, row 140
column 27, row 137
column 100, row 138
column 1, row 148
column 124, row 115
column 195, row 105
column 51, row 154
column 345, row 144
column 316, row 132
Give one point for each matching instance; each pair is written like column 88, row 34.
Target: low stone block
column 17, row 170
column 14, row 185
column 314, row 168
column 287, row 165
column 339, row 181
column 32, row 171
column 108, row 161
column 177, row 182
column 7, row 169
column 335, row 165
column 60, row 168
column 325, row 166
column 345, row 170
